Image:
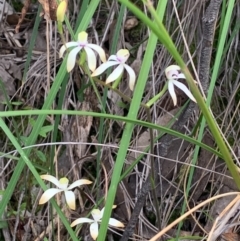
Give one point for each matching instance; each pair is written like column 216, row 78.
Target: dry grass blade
column 159, row 235
column 219, row 225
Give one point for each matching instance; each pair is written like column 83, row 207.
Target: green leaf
column 32, row 122
column 45, row 129
column 23, row 139
column 12, row 103
column 3, row 224
column 41, row 155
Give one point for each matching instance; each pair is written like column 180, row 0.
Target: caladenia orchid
column 173, row 73
column 119, row 59
column 82, row 45
column 97, row 218
column 62, row 186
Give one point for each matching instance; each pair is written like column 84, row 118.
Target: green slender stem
column 32, row 42
column 102, row 128
column 87, row 71
column 60, row 27
column 48, row 102
column 45, row 112
column 164, row 37
column 146, row 150
column 147, row 109
column 36, row 175
column 116, row 82
column 204, row 108
column 224, row 27
column 127, row 133
column 158, row 96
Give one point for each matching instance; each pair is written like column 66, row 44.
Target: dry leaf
column 5, row 10
column 23, row 14
column 49, row 8
column 7, row 81
column 144, row 139
column 230, row 237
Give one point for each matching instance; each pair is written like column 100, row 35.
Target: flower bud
column 62, row 7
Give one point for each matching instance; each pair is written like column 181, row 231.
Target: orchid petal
column 66, row 46
column 71, row 44
column 172, row 74
column 62, row 50
column 81, row 220
column 113, row 57
column 115, row 74
column 96, row 214
column 103, row 67
column 70, row 199
column 172, row 67
column 172, row 70
column 184, row 89
column 181, row 76
column 91, row 58
column 51, row 179
column 99, row 50
column 82, row 37
column 94, row 230
column 172, row 91
column 114, row 222
column 102, row 211
column 48, row 194
column 79, row 183
column 72, row 58
column 132, row 76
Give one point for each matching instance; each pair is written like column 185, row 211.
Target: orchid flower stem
column 126, row 98
column 158, row 28
column 158, row 96
column 116, row 82
column 60, row 27
column 162, row 34
column 147, row 109
column 82, row 61
column 60, row 30
column 87, row 71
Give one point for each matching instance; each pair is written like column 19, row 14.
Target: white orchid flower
column 82, row 44
column 173, row 74
column 62, row 185
column 97, row 218
column 119, row 59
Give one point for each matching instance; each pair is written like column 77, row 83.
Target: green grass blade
column 216, row 68
column 113, row 50
column 32, row 42
column 113, row 117
column 133, row 111
column 48, row 102
column 25, row 159
column 164, row 37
